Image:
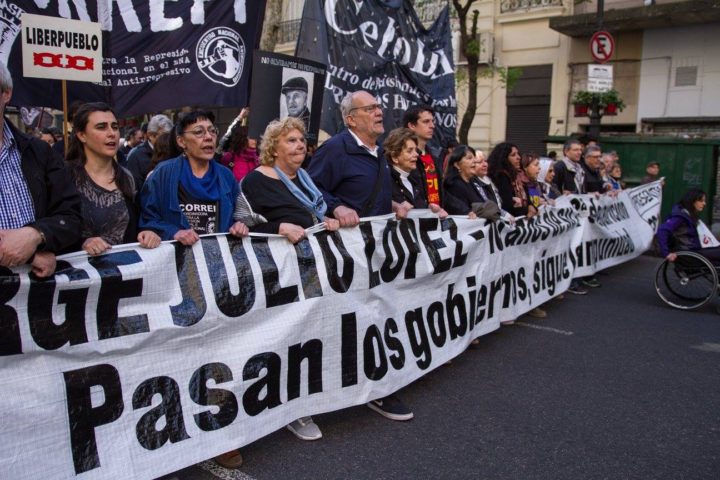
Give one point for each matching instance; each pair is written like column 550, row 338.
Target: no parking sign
column 602, row 46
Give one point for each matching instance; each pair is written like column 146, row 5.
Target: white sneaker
column 305, row 429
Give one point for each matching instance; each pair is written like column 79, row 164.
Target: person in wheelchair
column 680, row 229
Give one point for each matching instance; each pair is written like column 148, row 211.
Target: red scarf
column 431, row 175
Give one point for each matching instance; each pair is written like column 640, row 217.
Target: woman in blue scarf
column 191, row 195
column 279, row 196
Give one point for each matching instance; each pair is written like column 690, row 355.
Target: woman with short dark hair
column 458, row 182
column 191, row 194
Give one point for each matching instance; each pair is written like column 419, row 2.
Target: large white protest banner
column 139, row 362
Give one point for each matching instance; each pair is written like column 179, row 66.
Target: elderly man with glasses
column 354, row 178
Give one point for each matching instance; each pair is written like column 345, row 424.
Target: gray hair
column 346, row 106
column 158, row 123
column 608, row 157
column 591, row 149
column 6, row 82
column 570, row 143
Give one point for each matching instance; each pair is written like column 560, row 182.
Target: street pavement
column 612, row 385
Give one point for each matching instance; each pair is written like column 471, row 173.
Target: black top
column 564, row 179
column 139, row 161
column 202, row 215
column 400, row 193
column 271, row 199
column 107, row 214
column 486, row 190
column 593, row 180
column 507, row 192
column 463, row 193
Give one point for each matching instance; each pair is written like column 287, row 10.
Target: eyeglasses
column 368, row 108
column 201, row 132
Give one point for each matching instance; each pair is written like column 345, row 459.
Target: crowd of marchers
column 177, row 180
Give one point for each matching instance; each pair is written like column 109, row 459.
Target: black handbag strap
column 371, row 200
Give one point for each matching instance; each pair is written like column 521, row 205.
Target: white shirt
column 405, row 180
column 371, row 150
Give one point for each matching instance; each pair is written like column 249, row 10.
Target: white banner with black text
column 140, row 362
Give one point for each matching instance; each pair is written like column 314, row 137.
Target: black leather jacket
column 55, row 198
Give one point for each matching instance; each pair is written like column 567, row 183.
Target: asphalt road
column 613, row 385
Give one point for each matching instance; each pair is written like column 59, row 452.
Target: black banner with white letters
column 157, row 54
column 382, row 47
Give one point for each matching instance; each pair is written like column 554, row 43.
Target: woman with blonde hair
column 280, row 197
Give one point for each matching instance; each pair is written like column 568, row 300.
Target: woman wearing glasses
column 191, row 195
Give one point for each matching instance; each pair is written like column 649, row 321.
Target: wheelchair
column 688, row 283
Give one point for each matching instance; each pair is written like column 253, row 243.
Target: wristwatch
column 42, row 238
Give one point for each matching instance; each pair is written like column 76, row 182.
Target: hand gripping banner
column 138, row 363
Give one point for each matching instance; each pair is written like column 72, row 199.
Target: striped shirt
column 16, row 204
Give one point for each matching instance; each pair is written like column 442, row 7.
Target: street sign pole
column 595, row 117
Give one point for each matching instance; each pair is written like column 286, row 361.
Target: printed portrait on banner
column 284, row 86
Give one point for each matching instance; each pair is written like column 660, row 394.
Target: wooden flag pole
column 65, row 115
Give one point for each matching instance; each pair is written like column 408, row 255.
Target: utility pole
column 595, row 116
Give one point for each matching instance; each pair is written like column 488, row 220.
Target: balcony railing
column 289, row 31
column 511, row 6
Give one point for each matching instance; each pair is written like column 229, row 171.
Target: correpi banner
column 155, row 54
column 140, row 362
column 381, row 46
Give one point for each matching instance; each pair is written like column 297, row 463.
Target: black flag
column 381, row 47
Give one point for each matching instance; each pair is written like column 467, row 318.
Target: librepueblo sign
column 61, row 49
column 602, row 46
column 121, row 366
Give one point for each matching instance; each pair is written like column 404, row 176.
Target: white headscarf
column 545, row 164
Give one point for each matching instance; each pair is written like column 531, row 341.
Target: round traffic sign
column 602, row 46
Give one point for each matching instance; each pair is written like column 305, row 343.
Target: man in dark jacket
column 139, row 160
column 591, row 165
column 354, row 178
column 295, row 91
column 569, row 176
column 349, row 168
column 39, row 205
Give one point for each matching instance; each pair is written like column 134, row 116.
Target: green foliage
column 510, row 76
column 612, row 96
column 583, row 97
column 472, row 48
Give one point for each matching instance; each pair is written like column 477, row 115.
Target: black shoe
column 577, row 289
column 591, row 282
column 391, row 407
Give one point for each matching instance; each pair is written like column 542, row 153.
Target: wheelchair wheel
column 688, row 283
